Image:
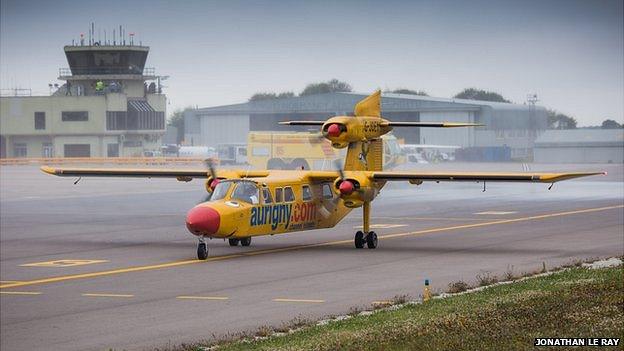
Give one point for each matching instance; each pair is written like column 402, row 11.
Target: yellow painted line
column 202, row 297
column 433, row 218
column 296, row 247
column 62, row 263
column 9, row 281
column 298, row 300
column 495, row 212
column 383, row 226
column 107, row 295
column 20, row 293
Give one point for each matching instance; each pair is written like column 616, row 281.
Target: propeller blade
column 211, row 168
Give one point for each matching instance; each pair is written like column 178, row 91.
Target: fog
column 569, row 53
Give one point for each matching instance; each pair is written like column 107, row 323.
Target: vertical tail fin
column 366, row 156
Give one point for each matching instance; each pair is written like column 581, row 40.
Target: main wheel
column 202, row 251
column 371, row 240
column 359, row 240
column 246, row 241
column 233, row 242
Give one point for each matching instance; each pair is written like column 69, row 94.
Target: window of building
column 77, row 150
column 112, row 150
column 266, row 195
column 289, row 195
column 39, row 120
column 47, row 150
column 74, row 116
column 327, row 192
column 307, row 194
column 278, row 195
column 20, row 150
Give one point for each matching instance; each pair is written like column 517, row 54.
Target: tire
column 298, row 163
column 371, row 240
column 233, row 242
column 276, row 163
column 202, row 251
column 245, row 241
column 359, row 240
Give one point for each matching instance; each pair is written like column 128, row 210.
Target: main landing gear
column 243, row 241
column 370, row 238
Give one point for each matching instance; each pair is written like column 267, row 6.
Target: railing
column 113, row 160
column 65, row 71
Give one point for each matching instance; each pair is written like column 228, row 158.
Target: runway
column 108, row 263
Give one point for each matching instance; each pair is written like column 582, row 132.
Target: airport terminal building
column 107, row 108
column 506, row 125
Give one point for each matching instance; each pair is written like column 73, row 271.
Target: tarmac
column 108, row 263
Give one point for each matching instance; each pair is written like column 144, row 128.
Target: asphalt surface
column 139, row 285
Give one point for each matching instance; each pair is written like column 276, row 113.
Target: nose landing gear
column 202, row 249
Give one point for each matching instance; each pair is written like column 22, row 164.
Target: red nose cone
column 203, row 220
column 333, row 130
column 345, row 187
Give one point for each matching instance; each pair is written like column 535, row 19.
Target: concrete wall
column 228, row 129
column 579, row 154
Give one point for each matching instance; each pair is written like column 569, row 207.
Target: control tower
column 111, row 105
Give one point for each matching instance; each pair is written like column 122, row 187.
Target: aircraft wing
column 302, row 123
column 481, row 176
column 433, row 124
column 180, row 174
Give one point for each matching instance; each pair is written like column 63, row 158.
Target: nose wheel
column 202, row 249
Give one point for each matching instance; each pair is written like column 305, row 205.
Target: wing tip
column 48, row 170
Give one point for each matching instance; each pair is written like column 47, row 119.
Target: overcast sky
column 568, row 52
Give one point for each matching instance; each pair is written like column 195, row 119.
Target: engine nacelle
column 354, row 192
column 342, row 130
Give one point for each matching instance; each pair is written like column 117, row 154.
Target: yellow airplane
column 250, row 203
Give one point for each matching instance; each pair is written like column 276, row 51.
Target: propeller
column 213, row 173
column 214, row 181
column 345, row 186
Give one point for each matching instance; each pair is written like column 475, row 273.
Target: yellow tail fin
column 366, row 156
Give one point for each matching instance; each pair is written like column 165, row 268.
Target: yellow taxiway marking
column 298, row 300
column 495, row 212
column 62, row 263
column 298, row 247
column 9, row 281
column 202, row 297
column 20, row 293
column 107, row 295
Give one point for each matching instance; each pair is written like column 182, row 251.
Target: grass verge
column 578, row 302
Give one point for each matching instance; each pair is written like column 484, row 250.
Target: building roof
column 581, row 138
column 338, row 102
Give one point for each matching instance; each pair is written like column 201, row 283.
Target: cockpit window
column 247, row 192
column 220, row 191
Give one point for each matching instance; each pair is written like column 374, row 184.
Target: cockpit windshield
column 246, row 191
column 220, row 191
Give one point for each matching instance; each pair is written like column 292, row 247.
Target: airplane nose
column 203, row 220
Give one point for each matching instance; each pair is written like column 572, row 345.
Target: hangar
column 580, row 146
column 512, row 125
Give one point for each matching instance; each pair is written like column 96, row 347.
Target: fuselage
column 285, row 201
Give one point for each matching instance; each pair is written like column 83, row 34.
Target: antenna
column 114, row 43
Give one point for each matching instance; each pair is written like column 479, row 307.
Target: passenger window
column 289, row 196
column 278, row 195
column 266, row 194
column 327, row 192
column 307, row 194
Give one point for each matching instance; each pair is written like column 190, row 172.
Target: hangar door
column 77, row 150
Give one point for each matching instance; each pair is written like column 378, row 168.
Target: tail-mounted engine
column 343, row 130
